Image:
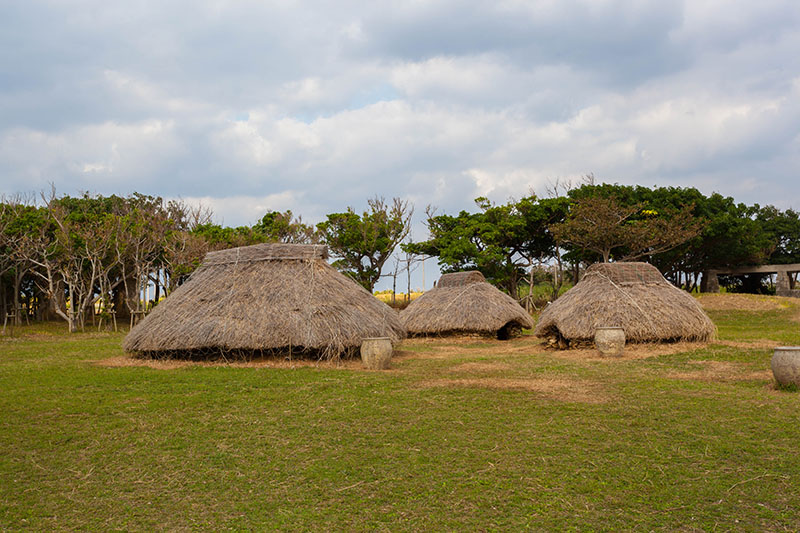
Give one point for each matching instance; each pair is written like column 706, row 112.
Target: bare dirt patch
column 758, row 344
column 564, row 390
column 480, row 367
column 631, row 352
column 744, row 302
column 454, row 347
column 721, row 371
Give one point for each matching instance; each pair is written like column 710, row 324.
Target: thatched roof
column 634, row 296
column 267, row 298
column 461, row 279
column 464, row 302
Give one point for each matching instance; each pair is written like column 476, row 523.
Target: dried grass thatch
column 464, row 302
column 264, row 299
column 634, row 296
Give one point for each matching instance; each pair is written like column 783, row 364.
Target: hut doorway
column 512, row 329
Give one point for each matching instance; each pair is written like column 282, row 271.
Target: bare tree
column 183, row 253
column 141, row 234
column 24, row 225
column 603, row 224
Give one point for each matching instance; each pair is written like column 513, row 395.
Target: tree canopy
column 363, row 243
column 499, row 240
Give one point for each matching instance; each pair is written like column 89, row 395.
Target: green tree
column 363, row 243
column 275, row 226
column 731, row 236
column 783, row 228
column 499, row 240
column 604, row 225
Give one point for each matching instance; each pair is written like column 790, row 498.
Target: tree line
column 80, row 257
column 680, row 230
column 75, row 257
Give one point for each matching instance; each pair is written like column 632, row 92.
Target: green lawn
column 460, row 435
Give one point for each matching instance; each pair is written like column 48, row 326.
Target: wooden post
column 13, row 318
column 783, row 285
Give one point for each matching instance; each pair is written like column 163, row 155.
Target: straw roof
column 264, row 299
column 463, row 302
column 634, row 296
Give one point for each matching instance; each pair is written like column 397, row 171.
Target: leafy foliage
column 499, row 240
column 363, row 243
column 275, row 226
column 602, row 224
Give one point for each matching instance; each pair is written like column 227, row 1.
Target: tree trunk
column 529, row 300
column 157, row 284
column 17, row 287
column 3, row 303
column 408, row 293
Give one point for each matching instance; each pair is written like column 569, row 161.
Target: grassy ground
column 461, row 434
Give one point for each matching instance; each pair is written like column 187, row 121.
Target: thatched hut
column 463, row 302
column 634, row 296
column 266, row 299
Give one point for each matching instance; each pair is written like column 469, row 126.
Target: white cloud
column 245, row 210
column 89, row 155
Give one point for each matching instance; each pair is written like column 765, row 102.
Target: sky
column 315, row 106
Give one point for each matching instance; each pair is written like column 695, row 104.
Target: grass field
column 464, row 434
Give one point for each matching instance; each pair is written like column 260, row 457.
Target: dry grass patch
column 744, row 302
column 480, row 367
column 564, row 390
column 631, row 352
column 758, row 344
column 721, row 371
column 460, row 346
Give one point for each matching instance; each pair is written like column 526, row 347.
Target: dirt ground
column 721, row 371
column 439, row 348
column 569, row 390
column 488, row 373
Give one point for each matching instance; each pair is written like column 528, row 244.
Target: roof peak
column 267, row 252
column 627, row 272
column 461, row 279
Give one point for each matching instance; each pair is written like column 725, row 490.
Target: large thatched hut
column 463, row 302
column 634, row 296
column 262, row 300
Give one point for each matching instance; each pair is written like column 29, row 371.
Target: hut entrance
column 512, row 329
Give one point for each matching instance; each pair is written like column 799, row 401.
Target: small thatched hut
column 261, row 300
column 463, row 302
column 634, row 296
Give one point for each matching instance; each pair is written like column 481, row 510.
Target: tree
column 284, row 227
column 501, row 241
column 783, row 229
column 541, row 247
column 183, row 253
column 731, row 236
column 34, row 252
column 11, row 237
column 184, row 243
column 604, row 225
column 363, row 243
column 142, row 226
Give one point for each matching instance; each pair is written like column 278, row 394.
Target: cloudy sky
column 316, row 106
